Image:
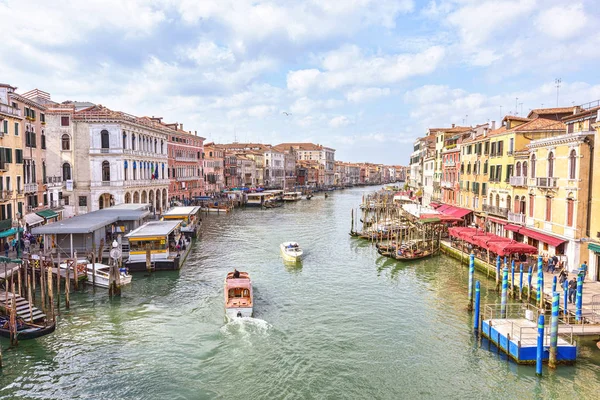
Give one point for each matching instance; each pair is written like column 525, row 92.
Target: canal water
column 345, row 324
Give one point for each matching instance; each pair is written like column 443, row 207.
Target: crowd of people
column 26, row 243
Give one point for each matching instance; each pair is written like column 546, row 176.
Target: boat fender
column 239, row 314
column 80, row 268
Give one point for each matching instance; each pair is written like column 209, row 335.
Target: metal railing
column 546, row 182
column 6, row 109
column 518, row 180
column 31, row 187
column 500, row 211
column 516, row 218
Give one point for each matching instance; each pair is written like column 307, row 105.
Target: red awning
column 457, row 231
column 443, row 207
column 542, row 237
column 506, row 248
column 485, row 240
column 498, row 220
column 457, row 212
column 435, row 204
column 511, row 227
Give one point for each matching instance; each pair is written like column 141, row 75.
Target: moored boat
column 102, row 273
column 238, row 295
column 25, row 330
column 291, row 251
column 292, row 196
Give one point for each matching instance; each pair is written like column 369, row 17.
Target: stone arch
column 127, row 198
column 157, row 201
column 144, row 197
column 136, row 197
column 164, row 199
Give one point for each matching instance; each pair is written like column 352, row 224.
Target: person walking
column 6, row 248
column 550, row 265
column 583, row 270
column 572, row 290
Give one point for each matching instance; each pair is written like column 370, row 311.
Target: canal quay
column 346, row 323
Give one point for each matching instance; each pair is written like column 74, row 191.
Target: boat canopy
column 153, row 229
column 177, row 212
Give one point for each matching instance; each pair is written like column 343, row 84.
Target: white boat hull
column 289, row 254
column 102, row 279
column 238, row 312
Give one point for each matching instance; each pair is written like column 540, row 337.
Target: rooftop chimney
column 453, row 125
column 493, row 125
column 181, row 126
column 576, row 110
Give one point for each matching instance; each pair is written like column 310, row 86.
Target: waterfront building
column 231, row 174
column 274, row 170
column 590, row 117
column 451, row 183
column 185, row 163
column 213, row 168
column 12, row 199
column 474, row 178
column 315, row 152
column 428, row 179
column 246, row 168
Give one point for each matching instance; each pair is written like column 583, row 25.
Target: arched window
column 533, row 165
column 525, row 169
column 162, row 146
column 66, row 142
column 105, row 171
column 517, row 205
column 508, row 201
column 124, row 140
column 132, row 141
column 570, row 210
column 104, row 139
column 572, row 164
column 550, row 165
column 101, row 202
column 155, row 146
column 497, row 200
column 66, row 171
column 531, row 203
column 518, row 169
column 125, row 165
column 548, row 208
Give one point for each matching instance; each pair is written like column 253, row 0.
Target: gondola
column 25, row 330
column 414, row 255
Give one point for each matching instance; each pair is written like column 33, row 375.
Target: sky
column 366, row 77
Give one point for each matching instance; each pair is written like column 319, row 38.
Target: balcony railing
column 546, row 182
column 447, row 184
column 500, row 211
column 516, row 218
column 31, row 187
column 8, row 110
column 57, row 203
column 5, row 195
column 518, row 181
column 54, row 181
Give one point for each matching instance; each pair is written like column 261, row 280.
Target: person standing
column 583, row 270
column 550, row 265
column 6, row 248
column 572, row 290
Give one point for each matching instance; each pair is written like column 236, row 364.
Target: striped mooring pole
column 579, row 300
column 477, row 301
column 554, row 330
column 554, row 282
column 529, row 279
column 504, row 292
column 540, row 282
column 512, row 279
column 521, row 282
column 540, row 345
column 566, row 294
column 471, row 274
column 498, row 262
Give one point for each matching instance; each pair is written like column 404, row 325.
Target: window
column 487, row 148
column 19, row 156
column 64, row 121
column 498, row 173
column 66, row 171
column 16, row 129
column 104, row 137
column 5, row 130
column 569, row 212
column 82, row 201
column 132, row 141
column 533, row 165
column 485, row 167
column 43, row 118
column 66, row 200
column 572, row 165
column 509, row 172
column 66, row 142
column 125, row 170
column 525, row 169
column 519, row 168
column 493, row 153
column 511, row 145
column 124, row 140
column 44, row 172
column 500, row 149
column 492, row 173
column 531, row 201
column 548, row 208
column 105, row 171
column 43, row 141
column 550, row 165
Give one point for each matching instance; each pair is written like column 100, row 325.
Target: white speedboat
column 102, row 273
column 291, row 251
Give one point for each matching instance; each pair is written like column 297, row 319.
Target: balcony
column 516, row 218
column 57, row 203
column 54, row 181
column 31, row 187
column 447, row 185
column 5, row 195
column 10, row 111
column 450, row 163
column 499, row 211
column 547, row 183
column 518, row 181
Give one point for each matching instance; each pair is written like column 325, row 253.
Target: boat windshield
column 238, row 292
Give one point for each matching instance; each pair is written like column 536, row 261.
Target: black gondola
column 25, row 330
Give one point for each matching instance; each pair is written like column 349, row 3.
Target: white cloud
column 360, row 95
column 347, row 67
column 339, row 121
column 207, row 53
column 305, row 105
column 562, row 22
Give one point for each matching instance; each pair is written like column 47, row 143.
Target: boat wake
column 246, row 327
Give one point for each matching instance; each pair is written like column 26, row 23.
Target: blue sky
column 366, row 77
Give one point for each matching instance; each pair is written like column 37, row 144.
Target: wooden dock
column 24, row 310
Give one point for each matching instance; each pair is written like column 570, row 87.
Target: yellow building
column 11, row 162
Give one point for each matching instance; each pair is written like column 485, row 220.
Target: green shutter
column 5, row 130
column 16, row 129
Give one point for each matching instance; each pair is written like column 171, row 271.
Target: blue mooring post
column 521, row 282
column 471, row 274
column 529, row 278
column 498, row 262
column 540, row 282
column 554, row 282
column 477, row 300
column 579, row 300
column 504, row 292
column 512, row 279
column 566, row 293
column 554, row 330
column 540, row 346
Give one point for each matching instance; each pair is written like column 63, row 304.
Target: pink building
column 450, row 171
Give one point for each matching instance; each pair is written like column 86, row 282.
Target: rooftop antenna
column 557, row 82
column 521, row 104
column 500, row 113
column 234, row 134
column 516, row 105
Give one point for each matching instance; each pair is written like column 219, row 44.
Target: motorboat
column 292, row 196
column 238, row 295
column 291, row 251
column 102, row 273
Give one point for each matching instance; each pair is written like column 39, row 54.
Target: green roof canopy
column 48, row 214
column 594, row 247
column 10, row 232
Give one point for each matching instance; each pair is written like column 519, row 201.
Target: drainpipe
column 590, row 181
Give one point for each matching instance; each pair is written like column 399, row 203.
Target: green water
column 345, row 324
